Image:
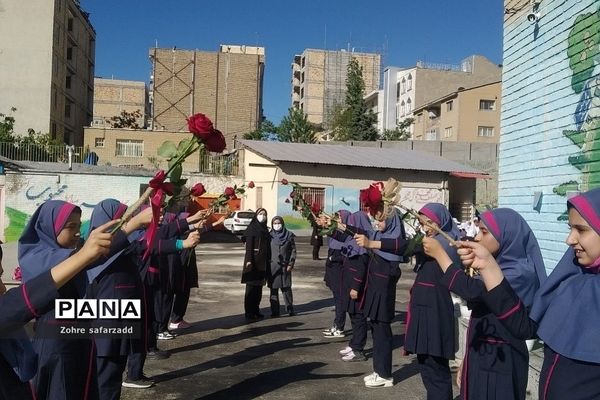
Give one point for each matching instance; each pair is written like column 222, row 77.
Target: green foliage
column 167, row 150
column 7, row 125
column 265, row 131
column 402, row 131
column 295, row 128
column 125, row 120
column 355, row 121
column 583, row 47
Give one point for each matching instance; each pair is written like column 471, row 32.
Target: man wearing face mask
column 279, row 275
column 256, row 261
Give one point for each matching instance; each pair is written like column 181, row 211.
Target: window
column 398, row 113
column 431, row 134
column 487, row 104
column 69, row 53
column 448, row 132
column 302, row 78
column 402, row 109
column 408, row 106
column 303, row 61
column 70, row 24
column 53, row 130
column 403, row 85
column 486, row 131
column 68, row 82
column 67, row 110
column 449, row 105
column 129, row 148
column 409, row 82
column 314, row 196
column 398, row 91
column 302, row 93
column 99, row 142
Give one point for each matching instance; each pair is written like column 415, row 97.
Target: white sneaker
column 328, row 331
column 179, row 325
column 354, row 356
column 337, row 333
column 346, row 350
column 370, row 376
column 165, row 336
column 377, row 381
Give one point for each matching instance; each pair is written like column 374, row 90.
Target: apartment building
column 47, row 69
column 319, row 80
column 465, row 115
column 113, row 96
column 226, row 85
column 406, row 89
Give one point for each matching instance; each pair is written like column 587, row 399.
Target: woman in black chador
column 256, row 262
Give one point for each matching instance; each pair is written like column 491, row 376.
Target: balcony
column 295, row 97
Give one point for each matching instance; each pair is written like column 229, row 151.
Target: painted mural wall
column 25, row 192
column 551, row 114
column 338, row 198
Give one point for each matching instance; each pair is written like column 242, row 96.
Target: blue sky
column 443, row 31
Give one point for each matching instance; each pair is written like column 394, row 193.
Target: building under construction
column 319, row 80
column 226, row 85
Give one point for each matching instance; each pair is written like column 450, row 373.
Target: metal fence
column 219, row 164
column 42, row 153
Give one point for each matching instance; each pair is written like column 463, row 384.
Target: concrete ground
column 223, row 357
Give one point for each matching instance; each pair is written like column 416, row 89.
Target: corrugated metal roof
column 356, row 156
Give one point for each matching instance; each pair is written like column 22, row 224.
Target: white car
column 238, row 221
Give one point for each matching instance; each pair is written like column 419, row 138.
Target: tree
column 357, row 122
column 125, row 120
column 295, row 128
column 7, row 126
column 265, row 131
column 401, row 132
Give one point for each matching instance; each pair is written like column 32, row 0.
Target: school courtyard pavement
column 223, row 357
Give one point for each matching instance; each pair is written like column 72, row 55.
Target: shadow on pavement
column 236, row 359
column 269, row 381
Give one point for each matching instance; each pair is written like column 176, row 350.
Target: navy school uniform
column 150, row 275
column 17, row 307
column 496, row 362
column 561, row 377
column 333, row 280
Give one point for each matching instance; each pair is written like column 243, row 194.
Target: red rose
column 292, row 194
column 200, row 125
column 229, row 192
column 251, row 184
column 198, row 190
column 284, row 181
column 315, row 208
column 372, row 198
column 215, row 142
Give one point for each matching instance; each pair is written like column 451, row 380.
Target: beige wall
column 151, row 142
column 112, row 96
column 34, row 67
column 465, row 116
column 264, row 174
column 227, row 87
column 325, row 80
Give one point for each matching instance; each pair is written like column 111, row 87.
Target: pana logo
column 97, row 309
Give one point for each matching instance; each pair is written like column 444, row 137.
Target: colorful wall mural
column 549, row 145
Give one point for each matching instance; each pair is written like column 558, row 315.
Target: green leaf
column 242, row 191
column 182, row 182
column 167, row 150
column 175, row 176
column 182, row 146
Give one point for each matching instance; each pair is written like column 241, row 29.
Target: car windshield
column 246, row 214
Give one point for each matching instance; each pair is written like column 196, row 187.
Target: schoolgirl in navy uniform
column 18, row 361
column 334, row 280
column 430, row 316
column 150, row 274
column 115, row 278
column 566, row 309
column 496, row 362
column 354, row 273
column 66, row 367
column 379, row 299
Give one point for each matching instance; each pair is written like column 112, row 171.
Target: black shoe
column 291, row 312
column 276, row 315
column 157, row 354
column 254, row 317
column 143, row 383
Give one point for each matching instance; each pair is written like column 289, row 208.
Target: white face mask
column 261, row 218
column 277, row 227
